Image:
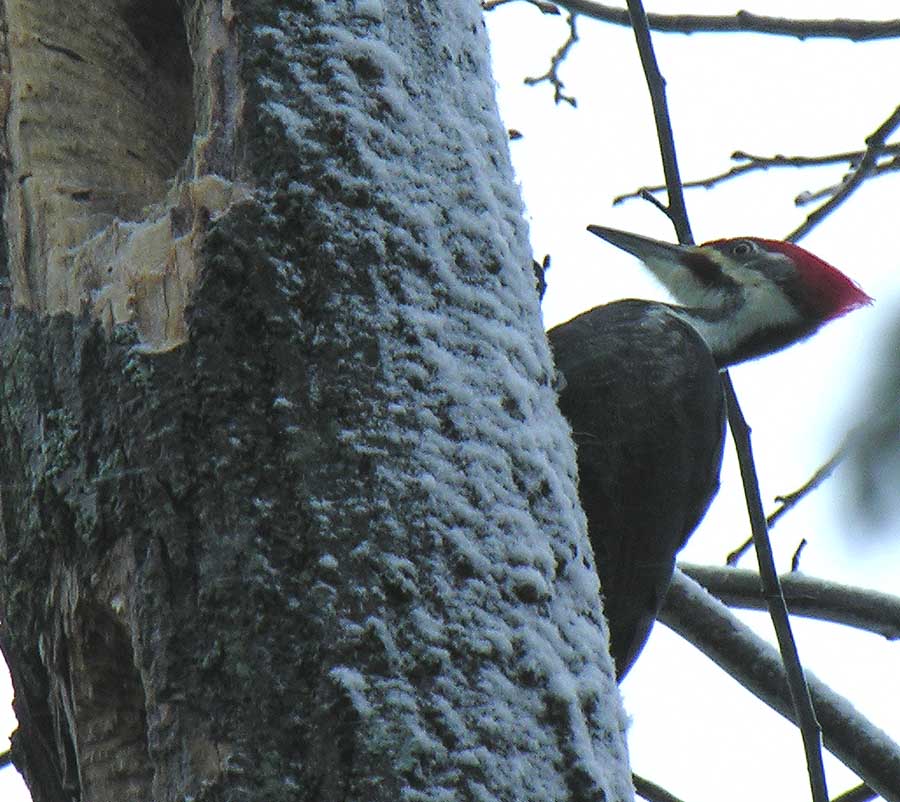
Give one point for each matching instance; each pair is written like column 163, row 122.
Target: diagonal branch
column 852, row 441
column 891, row 165
column 799, row 692
column 650, row 791
column 875, row 146
column 656, row 84
column 541, row 5
column 711, row 627
column 805, row 713
column 790, row 500
column 861, row 793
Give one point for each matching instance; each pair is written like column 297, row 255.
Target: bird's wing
column 643, row 397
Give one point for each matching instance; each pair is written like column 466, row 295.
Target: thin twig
column 862, row 793
column 717, row 632
column 875, row 146
column 807, row 596
column 552, row 74
column 790, row 500
column 651, row 791
column 653, row 200
column 541, row 5
column 745, row 22
column 892, row 165
column 799, row 690
column 656, row 84
column 750, row 163
column 795, row 560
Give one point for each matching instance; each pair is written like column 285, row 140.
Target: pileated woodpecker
column 642, row 394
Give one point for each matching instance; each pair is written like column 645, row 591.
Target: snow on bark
column 480, row 596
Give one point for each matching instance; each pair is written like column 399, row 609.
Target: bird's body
column 659, row 373
column 642, row 394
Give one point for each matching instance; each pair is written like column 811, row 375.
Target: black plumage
column 643, row 397
column 645, row 402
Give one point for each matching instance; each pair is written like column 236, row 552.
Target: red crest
column 831, row 292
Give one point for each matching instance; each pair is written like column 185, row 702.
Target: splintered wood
column 108, row 185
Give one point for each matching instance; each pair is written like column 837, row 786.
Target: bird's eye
column 742, row 248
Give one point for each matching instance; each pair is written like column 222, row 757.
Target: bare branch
column 744, row 22
column 795, row 560
column 650, row 198
column 552, row 75
column 796, row 681
column 541, row 5
column 809, row 726
column 875, row 146
column 862, row 793
column 651, row 791
column 790, row 500
column 752, row 163
column 711, row 627
column 892, row 165
column 806, row 596
column 656, row 84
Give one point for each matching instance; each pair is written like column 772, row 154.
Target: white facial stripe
column 763, row 307
column 727, row 317
column 683, row 284
column 765, row 304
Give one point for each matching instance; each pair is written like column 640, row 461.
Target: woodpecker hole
column 163, row 57
column 142, row 133
column 109, row 706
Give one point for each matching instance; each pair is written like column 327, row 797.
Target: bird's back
column 643, row 397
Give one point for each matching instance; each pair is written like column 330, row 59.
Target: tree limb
column 541, row 5
column 861, row 793
column 875, row 145
column 751, row 163
column 711, row 627
column 807, row 596
column 741, row 22
column 805, row 714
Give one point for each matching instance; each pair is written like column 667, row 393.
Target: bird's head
column 749, row 296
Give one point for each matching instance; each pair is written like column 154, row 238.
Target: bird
column 640, row 385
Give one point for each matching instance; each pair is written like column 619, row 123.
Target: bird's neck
column 737, row 329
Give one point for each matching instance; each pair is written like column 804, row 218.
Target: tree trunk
column 288, row 510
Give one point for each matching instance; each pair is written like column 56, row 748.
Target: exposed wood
column 110, row 160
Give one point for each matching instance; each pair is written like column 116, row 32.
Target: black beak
column 643, row 248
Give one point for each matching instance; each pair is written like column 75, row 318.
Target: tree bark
column 288, row 510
